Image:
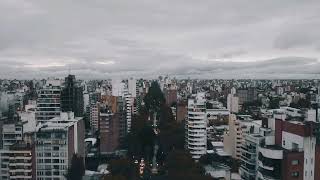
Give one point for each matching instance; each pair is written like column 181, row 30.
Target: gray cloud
column 210, row 38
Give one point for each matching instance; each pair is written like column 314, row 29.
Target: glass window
column 295, row 174
column 294, row 162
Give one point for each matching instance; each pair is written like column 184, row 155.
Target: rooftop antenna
column 69, row 70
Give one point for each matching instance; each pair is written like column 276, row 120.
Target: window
column 284, row 142
column 295, row 146
column 295, row 174
column 294, row 162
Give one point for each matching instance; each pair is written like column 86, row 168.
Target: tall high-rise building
column 249, row 156
column 247, row 95
column 94, row 116
column 196, row 133
column 72, row 96
column 128, row 109
column 48, row 102
column 117, row 87
column 109, row 131
column 181, row 111
column 132, row 87
column 239, row 127
column 122, row 120
column 233, row 103
column 171, row 96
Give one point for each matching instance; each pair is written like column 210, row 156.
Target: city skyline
column 208, row 39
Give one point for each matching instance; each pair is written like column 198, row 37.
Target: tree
column 77, row 169
column 180, row 165
column 274, row 103
column 117, row 177
column 154, row 99
column 121, row 169
column 302, row 103
column 141, row 138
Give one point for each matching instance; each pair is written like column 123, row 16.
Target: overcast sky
column 145, row 38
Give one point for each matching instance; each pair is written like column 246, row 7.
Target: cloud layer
column 143, row 38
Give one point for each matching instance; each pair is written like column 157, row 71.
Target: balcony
column 248, row 171
column 197, row 126
column 194, row 130
column 196, row 148
column 264, row 166
column 197, row 143
column 196, row 135
column 266, row 175
column 248, row 160
column 272, row 152
column 249, row 150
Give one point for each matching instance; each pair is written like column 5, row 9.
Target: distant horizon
column 156, row 78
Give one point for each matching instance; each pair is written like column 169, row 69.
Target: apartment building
column 285, row 148
column 249, row 156
column 196, row 133
column 239, row 127
column 56, row 142
column 109, row 131
column 11, row 134
column 48, row 102
column 233, row 103
column 21, row 161
column 94, row 116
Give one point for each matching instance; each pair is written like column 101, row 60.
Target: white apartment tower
column 233, row 103
column 117, row 87
column 132, row 87
column 196, row 134
column 232, row 139
column 128, row 108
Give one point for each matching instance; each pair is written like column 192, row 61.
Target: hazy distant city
column 165, row 128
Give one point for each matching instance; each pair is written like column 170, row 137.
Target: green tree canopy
column 154, row 99
column 302, row 103
column 121, row 169
column 180, row 165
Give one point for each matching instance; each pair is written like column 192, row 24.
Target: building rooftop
column 217, row 144
column 49, row 126
column 20, row 146
column 66, row 117
column 221, row 152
